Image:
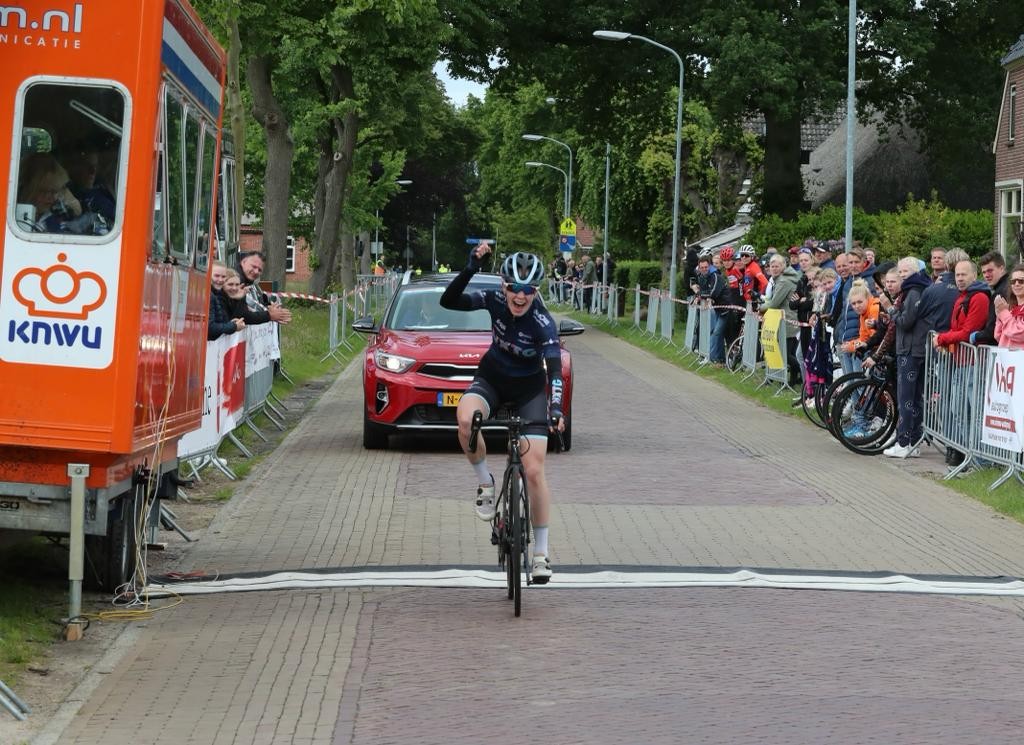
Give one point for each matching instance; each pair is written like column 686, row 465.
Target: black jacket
column 988, row 334
column 911, row 329
column 937, row 303
column 220, row 322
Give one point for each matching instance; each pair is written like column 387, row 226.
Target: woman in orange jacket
column 867, row 308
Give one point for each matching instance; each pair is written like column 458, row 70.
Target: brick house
column 296, row 268
column 1009, row 151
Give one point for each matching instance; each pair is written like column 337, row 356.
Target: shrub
column 914, row 229
column 645, row 273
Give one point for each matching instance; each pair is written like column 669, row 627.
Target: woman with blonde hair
column 866, row 306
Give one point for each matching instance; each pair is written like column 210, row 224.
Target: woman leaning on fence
column 1010, row 312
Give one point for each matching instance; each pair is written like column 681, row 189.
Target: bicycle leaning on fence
column 510, row 529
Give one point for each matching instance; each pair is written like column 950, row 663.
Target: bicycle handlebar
column 514, row 425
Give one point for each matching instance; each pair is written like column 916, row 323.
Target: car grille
column 448, row 371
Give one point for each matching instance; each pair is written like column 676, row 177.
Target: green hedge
column 913, row 230
column 645, row 273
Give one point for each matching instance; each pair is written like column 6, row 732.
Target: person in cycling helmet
column 524, row 343
column 754, row 281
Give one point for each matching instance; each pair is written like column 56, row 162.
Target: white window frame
column 289, row 255
column 1011, row 127
column 1011, row 211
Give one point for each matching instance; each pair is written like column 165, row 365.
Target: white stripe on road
column 469, row 578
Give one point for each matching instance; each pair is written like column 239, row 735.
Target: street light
column 538, row 164
column 568, row 188
column 622, row 36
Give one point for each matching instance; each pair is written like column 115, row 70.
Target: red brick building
column 1009, row 151
column 296, row 268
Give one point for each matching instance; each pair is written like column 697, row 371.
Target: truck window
column 69, row 164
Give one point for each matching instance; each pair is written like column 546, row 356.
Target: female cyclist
column 524, row 342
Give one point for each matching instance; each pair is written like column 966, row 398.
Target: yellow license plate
column 448, row 399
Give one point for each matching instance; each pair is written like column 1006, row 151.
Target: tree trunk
column 367, row 258
column 326, row 242
column 783, row 183
column 236, row 107
column 348, row 259
column 277, row 179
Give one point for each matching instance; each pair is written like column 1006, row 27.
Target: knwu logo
column 62, row 293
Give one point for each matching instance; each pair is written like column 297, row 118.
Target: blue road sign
column 474, row 241
column 567, row 243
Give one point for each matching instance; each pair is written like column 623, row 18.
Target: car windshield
column 419, row 309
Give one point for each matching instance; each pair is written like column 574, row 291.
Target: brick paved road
column 666, row 469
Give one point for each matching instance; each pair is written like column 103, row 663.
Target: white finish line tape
column 466, row 578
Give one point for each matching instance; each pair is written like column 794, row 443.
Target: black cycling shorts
column 528, row 393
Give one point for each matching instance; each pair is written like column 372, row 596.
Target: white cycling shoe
column 485, row 502
column 540, row 572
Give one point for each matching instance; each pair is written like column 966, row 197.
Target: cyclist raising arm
column 524, row 336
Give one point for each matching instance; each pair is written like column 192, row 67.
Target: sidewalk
column 666, row 469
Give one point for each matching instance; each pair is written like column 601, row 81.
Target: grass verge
column 1007, row 499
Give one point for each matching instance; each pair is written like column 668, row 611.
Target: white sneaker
column 540, row 572
column 485, row 502
column 901, row 451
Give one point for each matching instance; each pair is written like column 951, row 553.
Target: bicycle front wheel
column 865, row 415
column 515, row 533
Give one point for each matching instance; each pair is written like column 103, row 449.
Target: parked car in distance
column 421, row 357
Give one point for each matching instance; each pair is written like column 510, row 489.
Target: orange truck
column 113, row 113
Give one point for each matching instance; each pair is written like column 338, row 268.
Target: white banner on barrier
column 224, row 394
column 1003, row 412
column 262, row 347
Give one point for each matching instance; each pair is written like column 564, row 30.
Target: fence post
column 636, row 309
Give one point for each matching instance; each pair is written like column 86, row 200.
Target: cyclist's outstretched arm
column 455, row 297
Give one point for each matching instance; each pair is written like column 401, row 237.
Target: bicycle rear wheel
column 810, row 405
column 831, row 394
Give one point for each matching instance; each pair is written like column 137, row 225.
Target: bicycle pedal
column 494, row 537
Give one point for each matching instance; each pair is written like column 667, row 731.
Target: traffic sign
column 474, row 241
column 567, row 243
column 568, row 227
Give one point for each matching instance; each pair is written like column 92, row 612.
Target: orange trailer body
column 103, row 308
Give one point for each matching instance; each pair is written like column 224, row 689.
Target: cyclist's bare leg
column 469, row 404
column 533, row 452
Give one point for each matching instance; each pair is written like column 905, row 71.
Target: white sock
column 483, row 473
column 540, row 541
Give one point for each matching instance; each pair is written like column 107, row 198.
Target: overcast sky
column 458, row 89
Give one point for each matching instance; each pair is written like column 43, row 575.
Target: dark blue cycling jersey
column 519, row 345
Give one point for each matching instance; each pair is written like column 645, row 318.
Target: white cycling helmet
column 522, row 268
column 747, row 250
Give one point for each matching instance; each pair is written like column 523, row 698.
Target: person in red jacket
column 970, row 314
column 754, row 281
column 970, row 311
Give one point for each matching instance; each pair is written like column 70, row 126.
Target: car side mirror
column 570, row 328
column 365, row 325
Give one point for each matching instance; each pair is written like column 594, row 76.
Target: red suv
column 421, row 358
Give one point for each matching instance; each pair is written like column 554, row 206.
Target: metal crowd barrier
column 952, row 401
column 751, row 339
column 704, row 322
column 653, row 308
column 690, row 330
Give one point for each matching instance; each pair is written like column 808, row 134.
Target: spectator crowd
column 842, row 310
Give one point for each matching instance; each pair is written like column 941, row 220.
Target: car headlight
column 393, row 362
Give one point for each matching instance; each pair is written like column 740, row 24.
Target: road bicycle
column 864, row 412
column 510, row 529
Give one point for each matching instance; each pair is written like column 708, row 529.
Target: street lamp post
column 568, row 187
column 622, row 36
column 538, row 164
column 605, row 280
column 851, row 114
